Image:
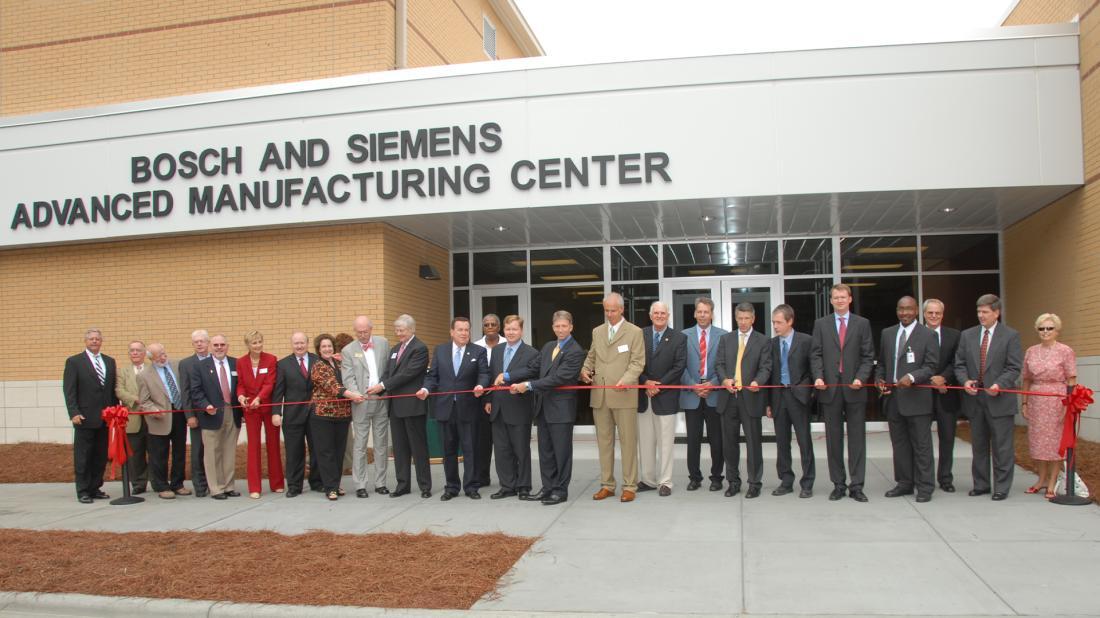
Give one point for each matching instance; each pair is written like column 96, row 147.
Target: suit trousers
column 991, row 435
column 410, row 443
column 220, row 454
column 911, row 438
column 159, row 448
column 512, row 444
column 294, row 438
column 89, row 458
column 255, row 423
column 458, row 434
column 177, row 442
column 626, row 420
column 696, row 419
column 330, row 437
column 365, row 418
column 792, row 413
column 484, row 450
column 555, row 456
column 735, row 419
column 837, row 413
column 656, row 437
column 198, row 462
column 137, row 464
column 946, row 423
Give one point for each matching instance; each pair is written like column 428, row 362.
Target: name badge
column 910, row 357
column 233, row 373
column 394, row 356
column 358, row 355
column 624, row 348
column 263, row 369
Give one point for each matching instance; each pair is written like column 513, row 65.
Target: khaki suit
column 167, row 431
column 610, row 362
column 153, row 396
column 126, row 389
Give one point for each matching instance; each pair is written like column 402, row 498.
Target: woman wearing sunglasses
column 1049, row 367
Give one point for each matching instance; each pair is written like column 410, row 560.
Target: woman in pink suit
column 1049, row 367
column 255, row 381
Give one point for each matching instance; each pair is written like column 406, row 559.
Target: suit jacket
column 262, row 384
column 126, row 389
column 154, row 396
column 926, row 353
column 354, row 369
column 858, row 355
column 665, row 365
column 620, row 360
column 564, row 370
column 187, row 366
column 206, row 390
column 291, row 386
column 1003, row 362
column 798, row 364
column 756, row 366
column 949, row 345
column 405, row 377
column 84, row 395
column 688, row 399
column 513, row 409
column 474, row 370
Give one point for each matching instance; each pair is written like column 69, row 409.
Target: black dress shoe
column 84, row 499
column 782, row 490
column 137, row 491
column 361, row 493
column 899, row 491
column 219, row 496
column 473, row 495
column 425, row 493
column 645, row 487
column 293, row 493
column 732, row 491
column 552, row 499
column 924, row 497
column 99, row 495
column 1000, row 495
column 524, row 495
column 837, row 493
column 233, row 493
column 806, row 493
column 948, row 487
column 381, row 491
column 716, row 485
column 857, row 495
column 693, row 485
column 977, row 492
column 447, row 496
column 398, row 494
column 664, row 491
column 542, row 495
column 504, row 493
column 753, row 492
column 202, row 493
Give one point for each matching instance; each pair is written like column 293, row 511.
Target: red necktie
column 224, row 380
column 702, row 354
column 981, row 358
column 843, row 333
column 302, row 366
column 401, row 351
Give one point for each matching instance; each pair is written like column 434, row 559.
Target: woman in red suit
column 255, row 381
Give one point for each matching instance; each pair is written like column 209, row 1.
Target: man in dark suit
column 699, row 404
column 665, row 361
column 790, row 406
column 908, row 355
column 490, row 329
column 457, row 366
column 292, row 383
column 213, row 384
column 988, row 360
column 89, row 387
column 511, row 415
column 743, row 364
column 560, row 363
column 200, row 342
column 404, row 375
column 945, row 401
column 843, row 353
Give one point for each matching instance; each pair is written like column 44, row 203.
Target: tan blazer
column 621, row 360
column 126, row 389
column 155, row 397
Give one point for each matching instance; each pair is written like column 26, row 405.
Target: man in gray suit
column 364, row 360
column 988, row 360
column 790, row 406
column 158, row 389
column 843, row 353
column 908, row 355
column 699, row 404
column 744, row 363
column 200, row 342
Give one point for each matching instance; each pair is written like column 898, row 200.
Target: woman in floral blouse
column 331, row 415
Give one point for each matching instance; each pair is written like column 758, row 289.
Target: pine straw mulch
column 1087, row 454
column 38, row 462
column 318, row 568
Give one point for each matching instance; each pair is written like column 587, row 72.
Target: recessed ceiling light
column 948, row 209
column 707, row 218
column 501, row 228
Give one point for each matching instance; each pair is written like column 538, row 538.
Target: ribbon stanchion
column 1076, row 402
column 119, row 450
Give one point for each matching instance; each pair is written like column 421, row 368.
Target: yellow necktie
column 554, row 354
column 740, row 355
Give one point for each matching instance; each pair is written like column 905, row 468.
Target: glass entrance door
column 764, row 293
column 502, row 302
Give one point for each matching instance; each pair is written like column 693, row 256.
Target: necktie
column 507, row 357
column 981, row 358
column 903, row 340
column 102, row 374
column 554, row 353
column 302, row 366
column 740, row 355
column 401, row 351
column 784, row 368
column 841, row 335
column 457, row 359
column 702, row 354
column 610, row 333
column 656, row 340
column 223, row 379
column 173, row 390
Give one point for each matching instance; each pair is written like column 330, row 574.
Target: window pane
column 958, row 294
column 753, row 257
column 633, row 262
column 808, row 256
column 567, row 265
column 460, row 270
column 876, row 298
column 959, row 252
column 500, row 267
column 638, row 298
column 885, row 254
column 761, row 301
column 810, row 300
column 682, row 312
column 462, row 303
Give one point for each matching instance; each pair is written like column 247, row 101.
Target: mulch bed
column 318, row 568
column 1087, row 454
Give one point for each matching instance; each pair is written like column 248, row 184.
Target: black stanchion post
column 1070, row 497
column 126, row 498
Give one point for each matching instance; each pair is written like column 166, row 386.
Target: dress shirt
column 372, row 366
column 163, row 369
column 908, row 332
column 513, row 349
column 837, row 318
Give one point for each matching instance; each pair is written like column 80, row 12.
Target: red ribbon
column 1076, row 402
column 118, row 446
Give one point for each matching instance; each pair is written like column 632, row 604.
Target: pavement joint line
column 225, row 517
column 387, row 520
column 42, row 526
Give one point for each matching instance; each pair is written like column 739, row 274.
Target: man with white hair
column 137, row 431
column 158, row 388
column 665, row 360
column 200, row 342
column 361, row 369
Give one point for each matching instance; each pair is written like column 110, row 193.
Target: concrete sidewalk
column 691, row 553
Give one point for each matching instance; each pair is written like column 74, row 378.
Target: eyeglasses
column 488, row 325
column 1045, row 329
